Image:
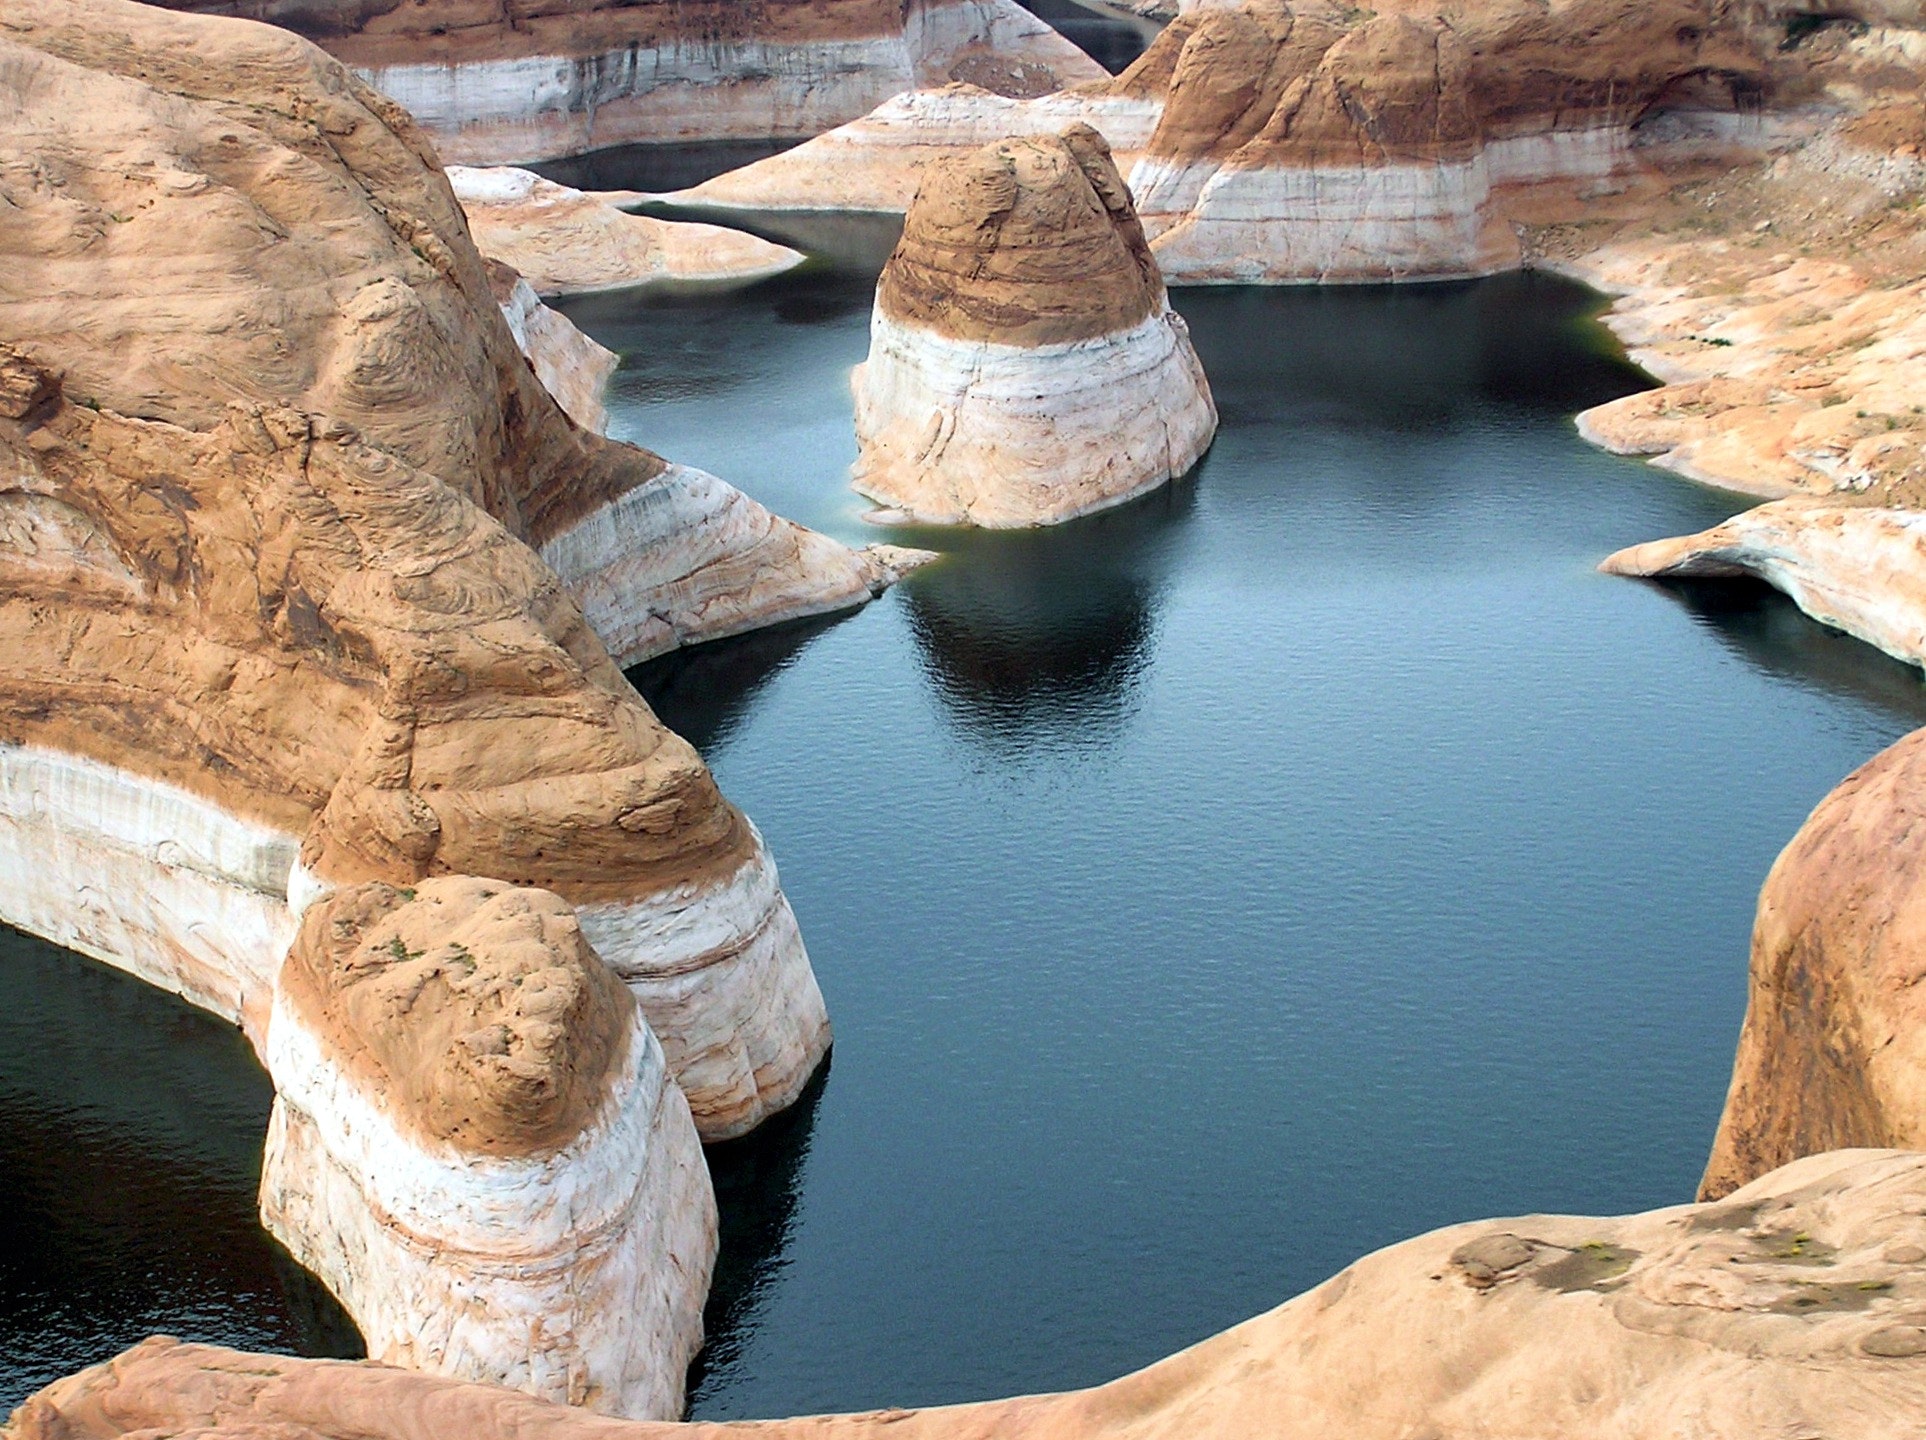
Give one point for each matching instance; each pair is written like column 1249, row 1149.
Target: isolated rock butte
column 497, row 84
column 1833, row 1052
column 1795, row 1308
column 275, row 467
column 1025, row 365
column 476, row 1144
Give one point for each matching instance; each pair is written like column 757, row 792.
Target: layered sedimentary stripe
column 1330, row 222
column 146, row 877
column 687, row 557
column 956, row 431
column 700, row 88
column 578, row 1277
column 720, row 970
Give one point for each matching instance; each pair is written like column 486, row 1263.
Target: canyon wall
column 541, row 79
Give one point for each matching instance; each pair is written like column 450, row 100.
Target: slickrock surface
column 1783, row 303
column 1833, row 1052
column 476, row 1143
column 877, row 163
column 501, row 84
column 274, row 470
column 574, row 369
column 1793, row 1309
column 1025, row 365
column 565, row 242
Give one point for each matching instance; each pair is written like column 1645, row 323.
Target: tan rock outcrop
column 1025, row 365
column 496, row 84
column 476, row 1143
column 1832, row 1053
column 565, row 242
column 274, row 471
column 1793, row 1309
column 574, row 369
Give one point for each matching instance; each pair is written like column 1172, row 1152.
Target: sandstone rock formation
column 1025, row 365
column 1858, row 568
column 877, row 162
column 564, row 242
column 1792, row 1309
column 477, row 1145
column 1832, row 1053
column 501, row 84
column 1782, row 304
column 276, row 626
column 274, row 460
column 574, row 369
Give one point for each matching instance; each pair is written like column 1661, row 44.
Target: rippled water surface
column 1205, row 893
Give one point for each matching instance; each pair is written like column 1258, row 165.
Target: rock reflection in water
column 1108, row 34
column 704, row 693
column 1773, row 636
column 130, row 1139
column 758, row 1181
column 1041, row 637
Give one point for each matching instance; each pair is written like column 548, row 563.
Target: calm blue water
column 1205, row 893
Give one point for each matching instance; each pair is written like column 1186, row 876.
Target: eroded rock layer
column 500, row 84
column 273, row 470
column 477, row 1144
column 1792, row 1309
column 1025, row 365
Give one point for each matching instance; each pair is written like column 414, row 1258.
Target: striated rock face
column 1792, row 1309
column 1832, row 1053
column 1025, row 365
column 574, row 369
column 498, row 84
column 564, row 242
column 477, row 1145
column 274, row 472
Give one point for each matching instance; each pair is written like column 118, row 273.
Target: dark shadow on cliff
column 130, row 1142
column 1041, row 637
column 704, row 692
column 758, row 1181
column 1772, row 635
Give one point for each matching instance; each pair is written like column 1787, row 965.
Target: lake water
column 1205, row 893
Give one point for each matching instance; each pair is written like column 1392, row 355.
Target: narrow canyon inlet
column 1207, row 892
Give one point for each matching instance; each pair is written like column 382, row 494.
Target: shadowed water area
column 1205, row 893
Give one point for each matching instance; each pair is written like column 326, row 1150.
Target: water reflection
column 704, row 693
column 1777, row 639
column 758, row 1181
column 1040, row 638
column 130, row 1139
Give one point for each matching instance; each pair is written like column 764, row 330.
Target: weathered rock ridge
column 496, row 84
column 1794, row 1308
column 565, row 242
column 1025, row 365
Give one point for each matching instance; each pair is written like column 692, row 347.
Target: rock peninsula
column 565, row 242
column 1025, row 366
column 1792, row 1308
column 501, row 84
